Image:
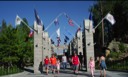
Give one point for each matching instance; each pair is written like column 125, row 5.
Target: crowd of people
column 53, row 63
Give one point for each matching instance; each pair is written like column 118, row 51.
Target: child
column 46, row 63
column 58, row 65
column 92, row 66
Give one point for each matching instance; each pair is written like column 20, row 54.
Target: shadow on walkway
column 29, row 70
column 123, row 75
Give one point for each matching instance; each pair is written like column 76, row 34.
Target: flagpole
column 76, row 23
column 26, row 24
column 69, row 32
column 53, row 21
column 102, row 25
column 99, row 23
column 52, row 35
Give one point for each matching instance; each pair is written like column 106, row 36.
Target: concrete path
column 67, row 73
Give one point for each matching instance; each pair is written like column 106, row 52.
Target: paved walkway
column 68, row 73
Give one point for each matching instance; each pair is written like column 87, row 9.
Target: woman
column 46, row 63
column 75, row 63
column 102, row 65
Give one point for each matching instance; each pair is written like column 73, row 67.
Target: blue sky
column 47, row 11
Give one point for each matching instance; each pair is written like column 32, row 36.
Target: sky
column 48, row 11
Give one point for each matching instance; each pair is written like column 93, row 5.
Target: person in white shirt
column 64, row 61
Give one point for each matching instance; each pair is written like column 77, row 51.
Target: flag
column 58, row 32
column 66, row 37
column 90, row 16
column 65, row 40
column 56, row 22
column 31, row 33
column 78, row 29
column 67, row 16
column 18, row 20
column 52, row 41
column 70, row 22
column 58, row 41
column 110, row 18
column 38, row 21
column 91, row 24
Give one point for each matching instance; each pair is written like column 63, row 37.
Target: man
column 64, row 61
column 53, row 63
column 75, row 63
column 81, row 60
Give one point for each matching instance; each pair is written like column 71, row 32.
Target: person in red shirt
column 53, row 63
column 75, row 63
column 46, row 63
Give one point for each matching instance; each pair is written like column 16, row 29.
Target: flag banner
column 110, row 18
column 58, row 41
column 66, row 37
column 31, row 33
column 78, row 29
column 38, row 21
column 58, row 32
column 91, row 27
column 90, row 16
column 18, row 20
column 67, row 16
column 65, row 40
column 52, row 41
column 70, row 22
column 56, row 22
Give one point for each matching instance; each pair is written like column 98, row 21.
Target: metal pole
column 53, row 21
column 99, row 23
column 102, row 25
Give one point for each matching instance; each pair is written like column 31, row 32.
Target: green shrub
column 122, row 47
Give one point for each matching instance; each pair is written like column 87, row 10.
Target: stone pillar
column 89, row 45
column 70, row 48
column 79, row 42
column 46, row 45
column 37, row 49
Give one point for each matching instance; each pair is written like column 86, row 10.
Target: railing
column 121, row 65
column 6, row 70
column 118, row 65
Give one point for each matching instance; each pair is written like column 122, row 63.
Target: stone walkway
column 68, row 73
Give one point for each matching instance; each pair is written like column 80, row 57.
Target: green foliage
column 11, row 70
column 114, row 55
column 118, row 65
column 122, row 47
column 15, row 49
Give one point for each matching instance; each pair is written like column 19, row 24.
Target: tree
column 15, row 50
column 118, row 31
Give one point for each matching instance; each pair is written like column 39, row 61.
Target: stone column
column 79, row 42
column 70, row 48
column 46, row 45
column 37, row 49
column 89, row 45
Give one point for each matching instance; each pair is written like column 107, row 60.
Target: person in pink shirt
column 92, row 66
